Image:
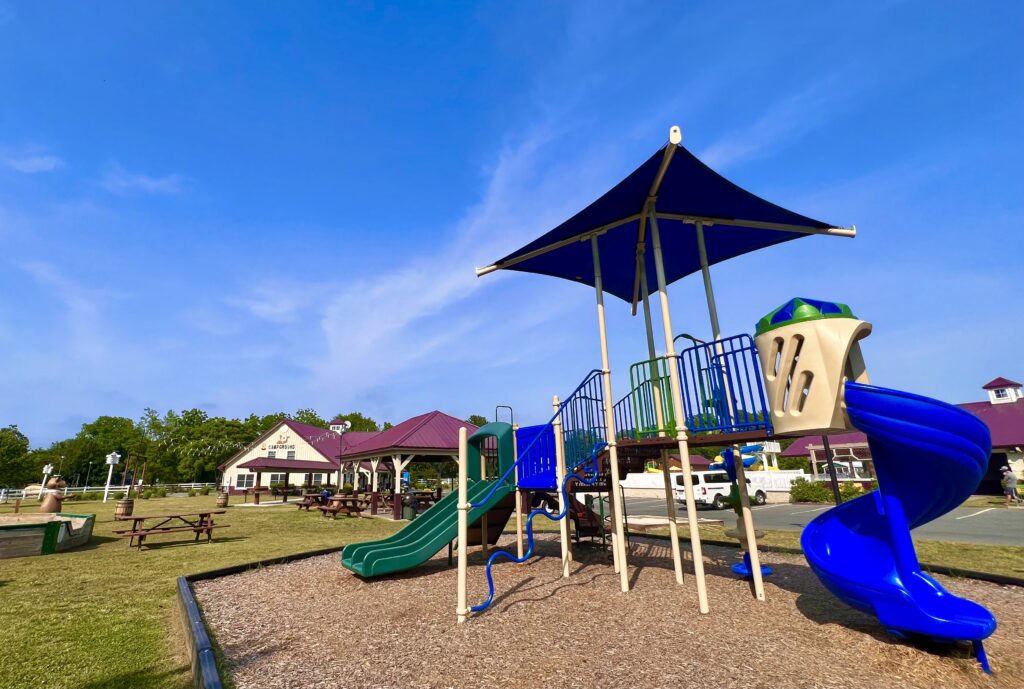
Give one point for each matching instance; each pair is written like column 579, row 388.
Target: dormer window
column 1002, row 393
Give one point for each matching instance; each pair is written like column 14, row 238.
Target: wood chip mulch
column 311, row 623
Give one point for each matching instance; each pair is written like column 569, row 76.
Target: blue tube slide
column 929, row 457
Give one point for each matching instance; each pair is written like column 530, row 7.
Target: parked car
column 711, row 489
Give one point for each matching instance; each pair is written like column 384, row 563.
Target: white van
column 711, row 489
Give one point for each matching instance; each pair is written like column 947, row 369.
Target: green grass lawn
column 104, row 615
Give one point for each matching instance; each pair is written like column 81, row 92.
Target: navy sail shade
column 735, row 222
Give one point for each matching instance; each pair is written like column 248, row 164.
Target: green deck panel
column 423, row 537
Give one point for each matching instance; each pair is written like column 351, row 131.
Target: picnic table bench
column 198, row 523
column 308, row 500
column 352, row 505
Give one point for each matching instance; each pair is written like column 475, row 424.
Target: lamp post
column 340, row 427
column 87, row 474
column 112, row 459
column 47, row 470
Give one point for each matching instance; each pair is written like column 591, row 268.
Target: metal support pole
column 716, row 330
column 670, row 503
column 748, row 524
column 484, row 526
column 659, row 413
column 563, row 524
column 709, row 292
column 609, row 415
column 519, row 498
column 461, row 610
column 677, row 402
column 670, row 510
column 831, row 469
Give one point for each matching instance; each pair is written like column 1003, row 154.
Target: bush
column 91, row 495
column 347, row 489
column 791, row 463
column 849, row 491
column 192, row 492
column 205, row 490
column 146, row 494
column 803, row 490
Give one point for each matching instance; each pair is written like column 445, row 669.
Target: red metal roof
column 1000, row 382
column 293, row 465
column 431, row 431
column 1005, row 422
column 800, row 447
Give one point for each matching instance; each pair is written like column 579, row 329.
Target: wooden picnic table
column 196, row 522
column 308, row 500
column 352, row 505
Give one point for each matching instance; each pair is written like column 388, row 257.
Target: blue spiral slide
column 929, row 457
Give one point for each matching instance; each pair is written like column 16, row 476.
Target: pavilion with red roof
column 430, row 437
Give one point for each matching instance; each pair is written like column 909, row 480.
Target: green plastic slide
column 423, row 537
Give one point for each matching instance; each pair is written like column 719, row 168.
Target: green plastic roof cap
column 801, row 309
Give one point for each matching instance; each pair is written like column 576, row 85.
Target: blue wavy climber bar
column 929, row 457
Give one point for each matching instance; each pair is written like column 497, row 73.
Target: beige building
column 291, row 452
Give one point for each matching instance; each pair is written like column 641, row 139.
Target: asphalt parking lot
column 992, row 525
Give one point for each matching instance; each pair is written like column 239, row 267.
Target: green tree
column 309, row 416
column 114, row 434
column 361, row 422
column 15, row 469
column 477, row 420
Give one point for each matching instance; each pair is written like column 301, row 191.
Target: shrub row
column 821, row 491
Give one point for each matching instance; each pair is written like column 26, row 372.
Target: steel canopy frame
column 649, row 213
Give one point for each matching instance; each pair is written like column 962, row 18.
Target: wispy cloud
column 117, row 180
column 786, row 121
column 86, row 339
column 31, row 160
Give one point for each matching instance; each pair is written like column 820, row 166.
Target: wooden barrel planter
column 124, row 508
column 222, row 499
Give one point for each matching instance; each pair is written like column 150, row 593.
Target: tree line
column 185, row 446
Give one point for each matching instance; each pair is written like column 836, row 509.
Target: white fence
column 9, row 494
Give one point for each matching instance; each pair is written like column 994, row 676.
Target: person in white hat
column 1009, row 484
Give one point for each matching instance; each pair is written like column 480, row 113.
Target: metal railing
column 651, row 398
column 583, row 426
column 722, row 386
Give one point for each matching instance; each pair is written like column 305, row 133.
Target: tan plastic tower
column 808, row 350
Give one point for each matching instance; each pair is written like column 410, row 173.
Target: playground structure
column 802, row 373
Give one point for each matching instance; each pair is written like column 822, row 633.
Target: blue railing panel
column 537, row 466
column 722, row 387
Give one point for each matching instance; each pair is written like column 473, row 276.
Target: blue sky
column 259, row 208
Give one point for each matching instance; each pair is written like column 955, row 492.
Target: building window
column 245, row 480
column 272, row 454
column 318, row 479
column 291, row 454
column 1002, row 393
column 278, row 478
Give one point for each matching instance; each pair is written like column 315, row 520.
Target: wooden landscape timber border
column 202, row 655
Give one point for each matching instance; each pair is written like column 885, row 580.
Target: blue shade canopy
column 735, row 221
